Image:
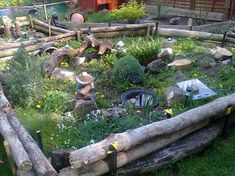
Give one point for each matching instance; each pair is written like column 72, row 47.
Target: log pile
column 27, row 156
column 33, row 46
column 134, row 144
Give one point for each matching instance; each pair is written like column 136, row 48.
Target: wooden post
column 190, row 23
column 10, row 158
column 227, row 8
column 31, row 21
column 45, row 9
column 231, row 9
column 213, row 6
column 49, row 27
column 148, row 30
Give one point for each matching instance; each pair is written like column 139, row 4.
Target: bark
column 65, row 37
column 101, row 45
column 56, row 58
column 128, row 27
column 101, row 167
column 41, row 165
column 18, row 152
column 53, row 28
column 192, row 34
column 5, row 105
column 176, row 151
column 131, row 138
column 45, row 30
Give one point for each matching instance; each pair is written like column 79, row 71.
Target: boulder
column 76, row 61
column 64, row 74
column 221, row 54
column 174, row 21
column 83, row 107
column 156, row 66
column 206, row 63
column 175, row 96
column 181, row 64
column 178, row 77
column 113, row 112
column 228, row 62
column 165, row 54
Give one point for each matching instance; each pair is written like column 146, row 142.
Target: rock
column 64, row 74
column 174, row 21
column 206, row 63
column 76, row 61
column 178, row 77
column 221, row 54
column 175, row 96
column 83, row 107
column 113, row 112
column 39, row 35
column 227, row 62
column 165, row 54
column 169, row 42
column 60, row 158
column 156, row 66
column 181, row 64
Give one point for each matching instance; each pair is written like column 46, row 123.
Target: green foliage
column 127, row 70
column 100, row 17
column 144, row 49
column 131, row 11
column 185, row 45
column 24, row 77
column 111, row 59
column 55, row 101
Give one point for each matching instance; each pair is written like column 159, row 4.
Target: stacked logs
column 28, row 157
column 134, row 144
column 33, row 46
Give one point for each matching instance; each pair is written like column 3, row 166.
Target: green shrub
column 144, row 49
column 127, row 70
column 55, row 101
column 24, row 77
column 131, row 11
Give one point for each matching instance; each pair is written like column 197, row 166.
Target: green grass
column 5, row 169
column 100, row 17
column 217, row 160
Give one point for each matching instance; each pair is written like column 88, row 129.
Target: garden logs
column 56, row 58
column 128, row 140
column 18, row 152
column 101, row 45
column 41, row 165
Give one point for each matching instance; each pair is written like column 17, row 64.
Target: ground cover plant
column 50, row 107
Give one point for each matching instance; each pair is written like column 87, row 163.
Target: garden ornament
column 85, row 85
column 55, row 21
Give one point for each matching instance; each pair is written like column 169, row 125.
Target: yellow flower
column 138, row 111
column 38, row 106
column 195, row 75
column 221, row 86
column 102, row 96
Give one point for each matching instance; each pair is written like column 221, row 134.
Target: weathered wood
column 131, row 138
column 5, row 105
column 25, row 173
column 21, row 18
column 45, row 30
column 176, row 151
column 101, row 167
column 41, row 165
column 53, row 28
column 18, row 152
column 56, row 58
column 10, row 158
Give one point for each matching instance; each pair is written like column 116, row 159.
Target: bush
column 144, row 49
column 131, row 11
column 127, row 70
column 24, row 76
column 55, row 101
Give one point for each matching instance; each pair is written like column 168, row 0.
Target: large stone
column 76, row 61
column 156, row 66
column 60, row 158
column 178, row 77
column 64, row 74
column 175, row 96
column 174, row 21
column 221, row 54
column 181, row 64
column 205, row 63
column 169, row 42
column 165, row 54
column 83, row 107
column 113, row 112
